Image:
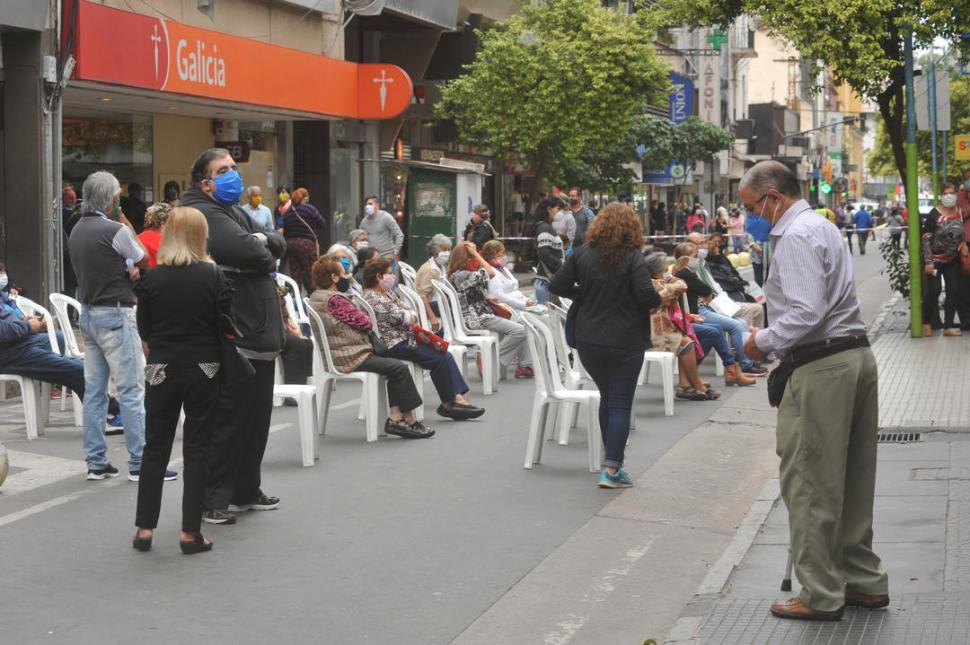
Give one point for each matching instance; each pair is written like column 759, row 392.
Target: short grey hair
column 340, row 249
column 99, row 191
column 253, row 189
column 438, row 240
column 354, row 234
column 656, row 262
column 769, row 174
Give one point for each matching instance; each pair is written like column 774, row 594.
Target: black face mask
column 343, row 284
column 574, row 202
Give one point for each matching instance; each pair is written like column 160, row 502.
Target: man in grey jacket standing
column 247, row 256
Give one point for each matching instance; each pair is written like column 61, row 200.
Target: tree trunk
column 892, row 107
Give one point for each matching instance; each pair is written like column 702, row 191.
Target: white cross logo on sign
column 383, row 79
column 157, row 39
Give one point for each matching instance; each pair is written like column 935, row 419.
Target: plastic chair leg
column 593, row 436
column 29, row 394
column 305, row 406
column 78, row 408
column 566, row 410
column 488, row 369
column 362, row 408
column 668, row 383
column 537, row 419
column 370, row 394
column 644, row 373
column 44, row 402
column 417, row 373
column 324, row 392
column 277, row 380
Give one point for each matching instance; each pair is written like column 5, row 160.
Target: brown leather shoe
column 795, row 609
column 856, row 599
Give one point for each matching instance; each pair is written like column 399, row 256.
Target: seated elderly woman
column 438, row 250
column 503, row 286
column 350, row 346
column 470, row 274
column 671, row 332
column 394, row 324
column 348, row 260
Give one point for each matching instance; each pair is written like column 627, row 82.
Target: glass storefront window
column 121, row 144
column 346, row 183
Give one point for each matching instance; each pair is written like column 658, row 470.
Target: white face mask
column 692, row 264
column 949, row 200
column 3, row 281
column 363, row 244
column 702, row 253
column 443, row 258
column 370, row 209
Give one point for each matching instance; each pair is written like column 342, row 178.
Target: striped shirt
column 810, row 290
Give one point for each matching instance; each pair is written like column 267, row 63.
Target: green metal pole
column 912, row 202
column 931, row 84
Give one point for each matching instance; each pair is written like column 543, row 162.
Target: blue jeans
column 615, row 372
column 712, row 336
column 112, row 348
column 542, row 290
column 733, row 326
column 32, row 357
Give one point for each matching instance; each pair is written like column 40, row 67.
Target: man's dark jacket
column 247, row 261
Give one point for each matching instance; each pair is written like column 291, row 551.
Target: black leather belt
column 828, row 347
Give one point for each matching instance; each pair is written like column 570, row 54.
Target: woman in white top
column 503, row 286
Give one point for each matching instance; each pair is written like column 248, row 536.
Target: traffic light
column 826, row 188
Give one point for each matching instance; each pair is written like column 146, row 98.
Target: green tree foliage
column 861, row 41
column 699, row 140
column 556, row 85
column 881, row 162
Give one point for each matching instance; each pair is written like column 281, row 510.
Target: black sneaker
column 102, row 473
column 755, row 370
column 169, row 476
column 405, row 431
column 262, row 503
column 218, row 516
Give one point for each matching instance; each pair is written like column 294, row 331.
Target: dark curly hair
column 616, row 230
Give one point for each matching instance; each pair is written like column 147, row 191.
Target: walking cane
column 786, row 581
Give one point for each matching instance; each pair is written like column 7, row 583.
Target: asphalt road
column 393, row 542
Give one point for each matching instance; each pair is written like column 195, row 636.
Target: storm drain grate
column 899, row 437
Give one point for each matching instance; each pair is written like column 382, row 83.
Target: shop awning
column 133, row 50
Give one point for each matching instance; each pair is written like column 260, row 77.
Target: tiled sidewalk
column 922, row 521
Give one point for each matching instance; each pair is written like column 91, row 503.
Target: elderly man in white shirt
column 826, row 390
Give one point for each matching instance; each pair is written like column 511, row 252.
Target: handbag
column 500, row 309
column 569, row 327
column 234, row 368
column 309, row 228
column 380, row 349
column 429, row 338
column 724, row 305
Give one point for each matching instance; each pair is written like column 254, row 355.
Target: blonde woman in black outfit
column 184, row 303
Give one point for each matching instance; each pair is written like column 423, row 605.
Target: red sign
column 124, row 48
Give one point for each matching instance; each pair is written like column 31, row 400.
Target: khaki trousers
column 827, row 425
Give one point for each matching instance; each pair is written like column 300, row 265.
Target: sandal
column 712, row 395
column 691, row 394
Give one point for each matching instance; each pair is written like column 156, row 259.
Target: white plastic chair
column 31, row 308
column 417, row 372
column 298, row 312
column 326, row 374
column 457, row 351
column 455, row 332
column 667, row 361
column 574, row 379
column 408, row 275
column 306, row 407
column 549, row 390
column 62, row 306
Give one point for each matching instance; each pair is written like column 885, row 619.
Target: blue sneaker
column 135, row 475
column 619, row 480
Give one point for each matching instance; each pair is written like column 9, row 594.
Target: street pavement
column 436, row 541
column 922, row 518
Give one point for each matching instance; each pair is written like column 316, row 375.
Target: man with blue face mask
column 247, row 256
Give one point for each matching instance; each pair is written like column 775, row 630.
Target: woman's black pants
column 185, row 385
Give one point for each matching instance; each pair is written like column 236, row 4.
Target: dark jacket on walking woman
column 615, row 301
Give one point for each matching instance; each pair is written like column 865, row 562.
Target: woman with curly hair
column 151, row 235
column 609, row 282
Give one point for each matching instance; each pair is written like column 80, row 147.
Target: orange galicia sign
column 124, row 48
